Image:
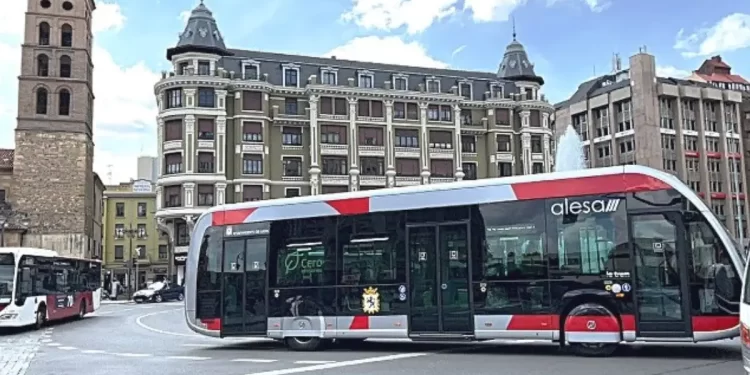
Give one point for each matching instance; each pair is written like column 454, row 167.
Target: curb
column 117, row 302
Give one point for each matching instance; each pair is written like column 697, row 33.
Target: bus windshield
column 7, row 271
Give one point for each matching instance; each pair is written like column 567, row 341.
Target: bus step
column 441, row 337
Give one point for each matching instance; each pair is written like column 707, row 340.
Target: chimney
column 333, row 57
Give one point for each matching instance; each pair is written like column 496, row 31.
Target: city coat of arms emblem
column 371, row 301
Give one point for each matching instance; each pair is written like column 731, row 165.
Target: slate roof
column 201, row 34
column 516, row 65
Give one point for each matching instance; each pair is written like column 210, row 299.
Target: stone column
column 491, row 144
column 189, row 98
column 459, row 174
column 547, row 153
column 160, row 144
column 188, row 189
column 221, row 193
column 703, row 159
column 727, row 166
column 424, row 144
column 314, row 147
column 390, row 150
column 221, row 144
column 353, row 143
column 221, row 96
column 526, row 152
column 525, row 115
column 189, row 147
column 545, row 120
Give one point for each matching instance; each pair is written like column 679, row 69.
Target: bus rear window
column 208, row 278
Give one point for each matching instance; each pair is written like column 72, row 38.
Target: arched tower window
column 65, row 67
column 41, row 101
column 66, row 36
column 44, row 34
column 42, row 65
column 64, row 100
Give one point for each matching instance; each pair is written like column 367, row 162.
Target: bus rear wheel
column 303, row 344
column 592, row 349
column 82, row 311
column 41, row 317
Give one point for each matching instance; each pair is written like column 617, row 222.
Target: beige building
column 239, row 125
column 690, row 129
column 53, row 178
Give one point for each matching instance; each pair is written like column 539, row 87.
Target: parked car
column 160, row 292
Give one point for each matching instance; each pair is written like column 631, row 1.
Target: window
column 370, row 136
column 370, row 108
column 400, row 83
column 173, row 98
column 466, row 117
column 433, row 112
column 42, row 65
column 291, row 106
column 252, row 101
column 172, row 130
column 141, row 231
column 64, row 98
column 333, row 134
column 366, row 80
column 65, row 67
column 399, row 110
column 252, row 164
column 119, row 230
column 504, row 169
column 291, row 77
column 407, row 167
column 250, row 71
column 328, row 78
column 433, row 85
column 591, row 235
column 172, row 196
column 514, row 243
column 502, row 116
column 142, row 211
column 2, row 196
column 536, row 144
column 465, row 90
column 204, row 68
column 291, row 136
column 119, row 252
column 304, row 251
column 206, row 98
column 537, row 168
column 370, row 251
column 252, row 193
column 44, row 34
column 503, row 143
column 334, row 106
column 292, row 166
column 441, row 168
column 182, row 234
column 441, row 139
column 372, row 166
column 496, row 91
column 407, row 138
column 335, row 165
column 252, row 131
column 41, row 101
column 209, row 276
column 470, row 171
column 468, row 143
column 206, row 129
column 292, row 192
column 163, row 254
column 206, row 195
column 173, row 162
column 66, row 36
column 119, row 209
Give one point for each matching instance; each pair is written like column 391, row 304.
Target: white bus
column 37, row 286
column 589, row 259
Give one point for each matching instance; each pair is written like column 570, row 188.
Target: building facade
column 148, row 168
column 238, row 125
column 53, row 178
column 690, row 129
column 131, row 235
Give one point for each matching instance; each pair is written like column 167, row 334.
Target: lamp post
column 9, row 217
column 132, row 233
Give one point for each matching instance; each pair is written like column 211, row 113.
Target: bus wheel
column 303, row 344
column 41, row 317
column 592, row 349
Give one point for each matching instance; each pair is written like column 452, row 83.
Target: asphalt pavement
column 127, row 339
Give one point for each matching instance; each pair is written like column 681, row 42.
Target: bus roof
column 618, row 179
column 21, row 251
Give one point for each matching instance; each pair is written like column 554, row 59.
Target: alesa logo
column 597, row 206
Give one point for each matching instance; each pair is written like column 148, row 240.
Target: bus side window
column 25, row 280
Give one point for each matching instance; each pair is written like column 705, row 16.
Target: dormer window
column 400, row 82
column 433, row 85
column 464, row 89
column 204, row 68
column 496, row 91
column 291, row 75
column 329, row 76
column 250, row 70
column 366, row 79
column 182, row 68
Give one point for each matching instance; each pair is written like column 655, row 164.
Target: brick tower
column 53, row 169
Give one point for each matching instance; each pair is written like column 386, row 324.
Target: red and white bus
column 38, row 285
column 590, row 259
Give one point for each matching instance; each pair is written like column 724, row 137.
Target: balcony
column 172, row 145
column 334, row 179
column 441, row 180
column 334, row 149
column 441, row 153
column 407, row 152
column 408, row 180
column 377, row 151
column 206, row 144
column 378, row 181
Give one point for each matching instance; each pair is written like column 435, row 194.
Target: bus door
column 660, row 275
column 439, row 279
column 244, row 286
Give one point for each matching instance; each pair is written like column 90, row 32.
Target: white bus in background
column 37, row 286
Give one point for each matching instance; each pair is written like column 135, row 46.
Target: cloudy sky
column 568, row 40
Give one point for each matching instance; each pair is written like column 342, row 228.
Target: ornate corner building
column 239, row 125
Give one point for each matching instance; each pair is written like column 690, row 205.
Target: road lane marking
column 140, row 323
column 188, row 358
column 199, row 345
column 313, row 362
column 133, row 355
column 67, row 348
column 93, row 351
column 251, row 360
column 355, row 362
column 53, row 344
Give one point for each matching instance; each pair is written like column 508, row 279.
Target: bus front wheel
column 41, row 317
column 303, row 344
column 592, row 349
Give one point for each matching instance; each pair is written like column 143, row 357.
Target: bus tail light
column 745, row 334
column 213, row 324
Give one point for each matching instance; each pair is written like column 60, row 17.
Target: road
column 140, row 339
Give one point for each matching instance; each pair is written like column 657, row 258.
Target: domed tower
column 192, row 131
column 516, row 67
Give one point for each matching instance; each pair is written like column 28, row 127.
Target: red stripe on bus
column 628, row 322
column 533, row 323
column 352, row 206
column 602, row 323
column 213, row 324
column 360, row 322
column 714, row 323
column 570, row 187
column 231, row 217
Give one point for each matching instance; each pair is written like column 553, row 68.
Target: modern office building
column 131, row 235
column 240, row 125
column 688, row 128
column 148, row 168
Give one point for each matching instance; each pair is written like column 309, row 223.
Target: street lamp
column 132, row 233
column 10, row 217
